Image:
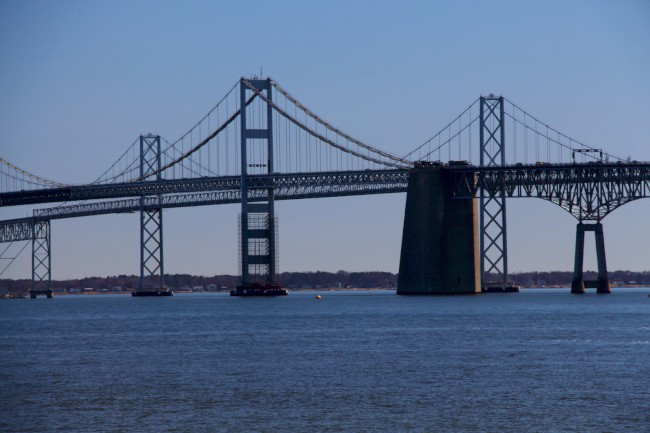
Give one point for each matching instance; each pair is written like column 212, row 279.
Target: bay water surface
column 542, row 360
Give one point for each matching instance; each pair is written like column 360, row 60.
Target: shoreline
column 25, row 295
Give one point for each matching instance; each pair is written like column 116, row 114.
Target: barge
column 259, row 289
column 508, row 287
column 153, row 292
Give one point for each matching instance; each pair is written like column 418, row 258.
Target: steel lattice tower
column 257, row 223
column 494, row 246
column 41, row 258
column 151, row 221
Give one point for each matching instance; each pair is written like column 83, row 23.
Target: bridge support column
column 151, row 249
column 493, row 230
column 152, row 275
column 602, row 283
column 439, row 241
column 41, row 259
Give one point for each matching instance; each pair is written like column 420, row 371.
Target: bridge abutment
column 440, row 237
column 578, row 284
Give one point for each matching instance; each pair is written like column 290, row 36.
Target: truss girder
column 303, row 186
column 211, row 198
column 588, row 191
column 162, row 186
column 17, row 230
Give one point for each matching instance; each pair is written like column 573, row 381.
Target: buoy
column 317, row 296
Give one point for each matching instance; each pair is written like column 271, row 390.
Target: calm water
column 540, row 360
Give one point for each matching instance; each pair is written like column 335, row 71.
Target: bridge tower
column 41, row 259
column 151, row 219
column 257, row 222
column 494, row 245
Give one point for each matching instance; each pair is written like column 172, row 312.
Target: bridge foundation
column 440, row 237
column 49, row 293
column 602, row 283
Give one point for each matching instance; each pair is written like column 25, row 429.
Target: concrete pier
column 602, row 283
column 440, row 237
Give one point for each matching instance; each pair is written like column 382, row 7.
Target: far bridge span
column 260, row 144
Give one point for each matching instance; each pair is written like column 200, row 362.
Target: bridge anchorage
column 260, row 145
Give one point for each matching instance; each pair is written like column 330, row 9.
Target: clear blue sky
column 81, row 80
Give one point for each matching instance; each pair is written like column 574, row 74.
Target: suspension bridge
column 260, row 144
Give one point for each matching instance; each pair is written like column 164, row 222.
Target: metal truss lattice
column 151, row 253
column 588, row 191
column 41, row 256
column 151, row 220
column 494, row 249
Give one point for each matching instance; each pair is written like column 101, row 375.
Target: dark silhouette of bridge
column 259, row 144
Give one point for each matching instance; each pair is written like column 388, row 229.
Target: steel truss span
column 297, row 181
column 22, row 230
column 17, row 230
column 588, row 191
column 287, row 187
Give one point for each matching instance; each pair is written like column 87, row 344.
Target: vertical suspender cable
column 536, row 142
column 469, row 146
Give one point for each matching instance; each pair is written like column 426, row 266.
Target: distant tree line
column 294, row 280
column 563, row 278
column 319, row 279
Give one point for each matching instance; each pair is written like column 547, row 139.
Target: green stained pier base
column 440, row 238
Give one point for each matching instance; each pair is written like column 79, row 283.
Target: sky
column 81, row 80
